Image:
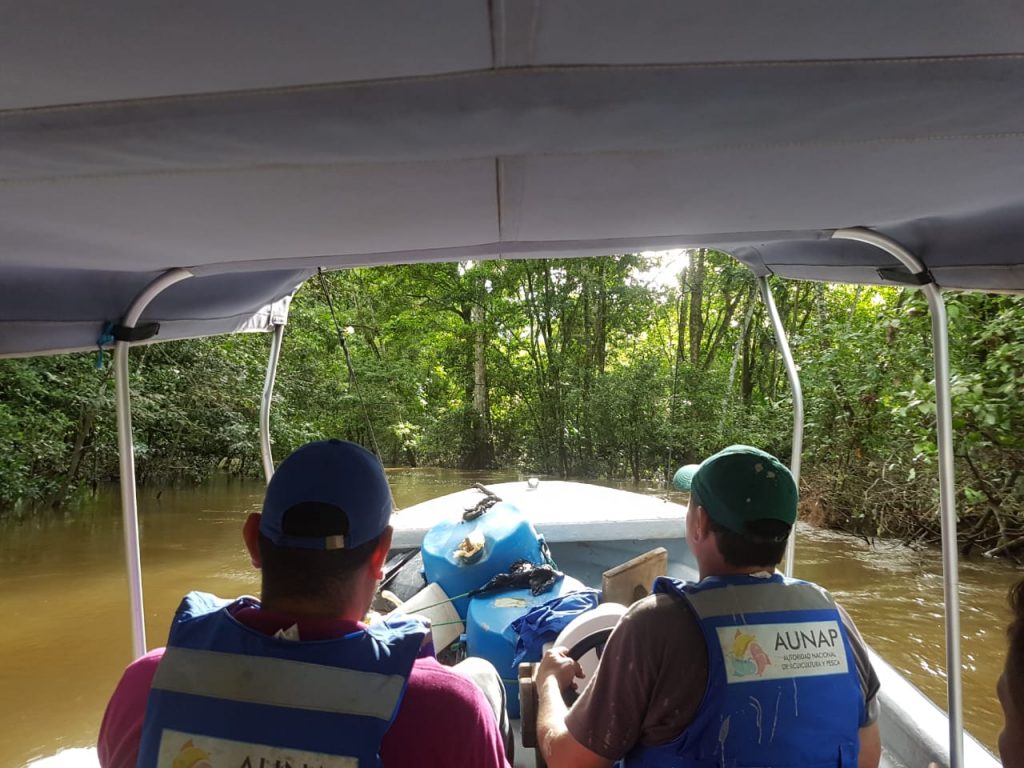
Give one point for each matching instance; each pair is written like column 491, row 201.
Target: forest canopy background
column 615, row 366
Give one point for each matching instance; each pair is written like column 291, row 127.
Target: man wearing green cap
column 743, row 667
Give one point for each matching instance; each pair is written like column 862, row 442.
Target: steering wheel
column 585, row 638
column 593, row 642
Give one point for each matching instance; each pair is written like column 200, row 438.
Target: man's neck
column 724, row 569
column 307, row 608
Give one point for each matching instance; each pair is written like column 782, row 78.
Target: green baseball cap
column 739, row 485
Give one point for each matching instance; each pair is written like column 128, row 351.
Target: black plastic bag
column 522, row 574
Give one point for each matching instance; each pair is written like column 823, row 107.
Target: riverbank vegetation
column 615, row 366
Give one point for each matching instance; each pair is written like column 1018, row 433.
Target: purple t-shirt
column 438, row 703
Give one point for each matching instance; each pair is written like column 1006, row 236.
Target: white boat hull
column 591, row 529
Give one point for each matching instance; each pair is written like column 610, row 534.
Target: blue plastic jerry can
column 489, row 632
column 460, row 555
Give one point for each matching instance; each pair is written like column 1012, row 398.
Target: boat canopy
column 251, row 143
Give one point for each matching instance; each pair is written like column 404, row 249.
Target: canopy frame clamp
column 266, row 449
column 124, row 334
column 919, row 276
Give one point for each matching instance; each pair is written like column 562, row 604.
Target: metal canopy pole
column 126, row 454
column 266, row 452
column 947, row 498
column 798, row 404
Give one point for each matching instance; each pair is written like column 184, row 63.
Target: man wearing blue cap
column 743, row 667
column 296, row 678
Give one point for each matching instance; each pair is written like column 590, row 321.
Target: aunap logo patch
column 778, row 651
column 190, row 750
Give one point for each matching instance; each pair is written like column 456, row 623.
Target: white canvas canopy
column 191, row 163
column 251, row 142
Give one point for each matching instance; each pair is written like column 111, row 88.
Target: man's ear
column 251, row 537
column 380, row 554
column 702, row 526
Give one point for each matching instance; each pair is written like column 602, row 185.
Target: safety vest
column 228, row 696
column 783, row 688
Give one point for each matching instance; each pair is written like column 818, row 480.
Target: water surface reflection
column 64, row 596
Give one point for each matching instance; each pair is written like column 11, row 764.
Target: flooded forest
column 615, row 367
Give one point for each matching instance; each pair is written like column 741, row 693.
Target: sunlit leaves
column 593, row 366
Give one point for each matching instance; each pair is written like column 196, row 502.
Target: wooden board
column 631, row 581
column 528, row 708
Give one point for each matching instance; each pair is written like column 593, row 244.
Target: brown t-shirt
column 652, row 676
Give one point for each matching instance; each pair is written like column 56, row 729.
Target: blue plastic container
column 489, row 632
column 506, row 536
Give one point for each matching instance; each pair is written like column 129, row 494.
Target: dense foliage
column 624, row 366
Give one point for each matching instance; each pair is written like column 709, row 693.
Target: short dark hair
column 1015, row 653
column 302, row 572
column 764, row 545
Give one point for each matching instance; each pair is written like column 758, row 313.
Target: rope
column 106, row 338
column 442, row 602
column 348, row 361
column 489, row 500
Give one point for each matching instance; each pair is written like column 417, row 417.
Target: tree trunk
column 697, row 305
column 534, row 318
column 601, row 320
column 681, row 317
column 481, row 455
column 737, row 352
column 721, row 328
column 682, row 310
column 554, row 369
column 749, row 344
column 86, row 419
column 85, row 422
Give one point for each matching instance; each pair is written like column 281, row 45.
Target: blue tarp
column 543, row 623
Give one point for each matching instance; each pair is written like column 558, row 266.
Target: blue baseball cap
column 331, row 473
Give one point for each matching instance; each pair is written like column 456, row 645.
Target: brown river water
column 66, row 637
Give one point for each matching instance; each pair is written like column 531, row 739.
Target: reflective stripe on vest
column 783, row 688
column 721, row 598
column 227, row 695
column 279, row 683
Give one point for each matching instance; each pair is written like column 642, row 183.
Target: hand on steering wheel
column 563, row 668
column 564, row 664
column 594, row 642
